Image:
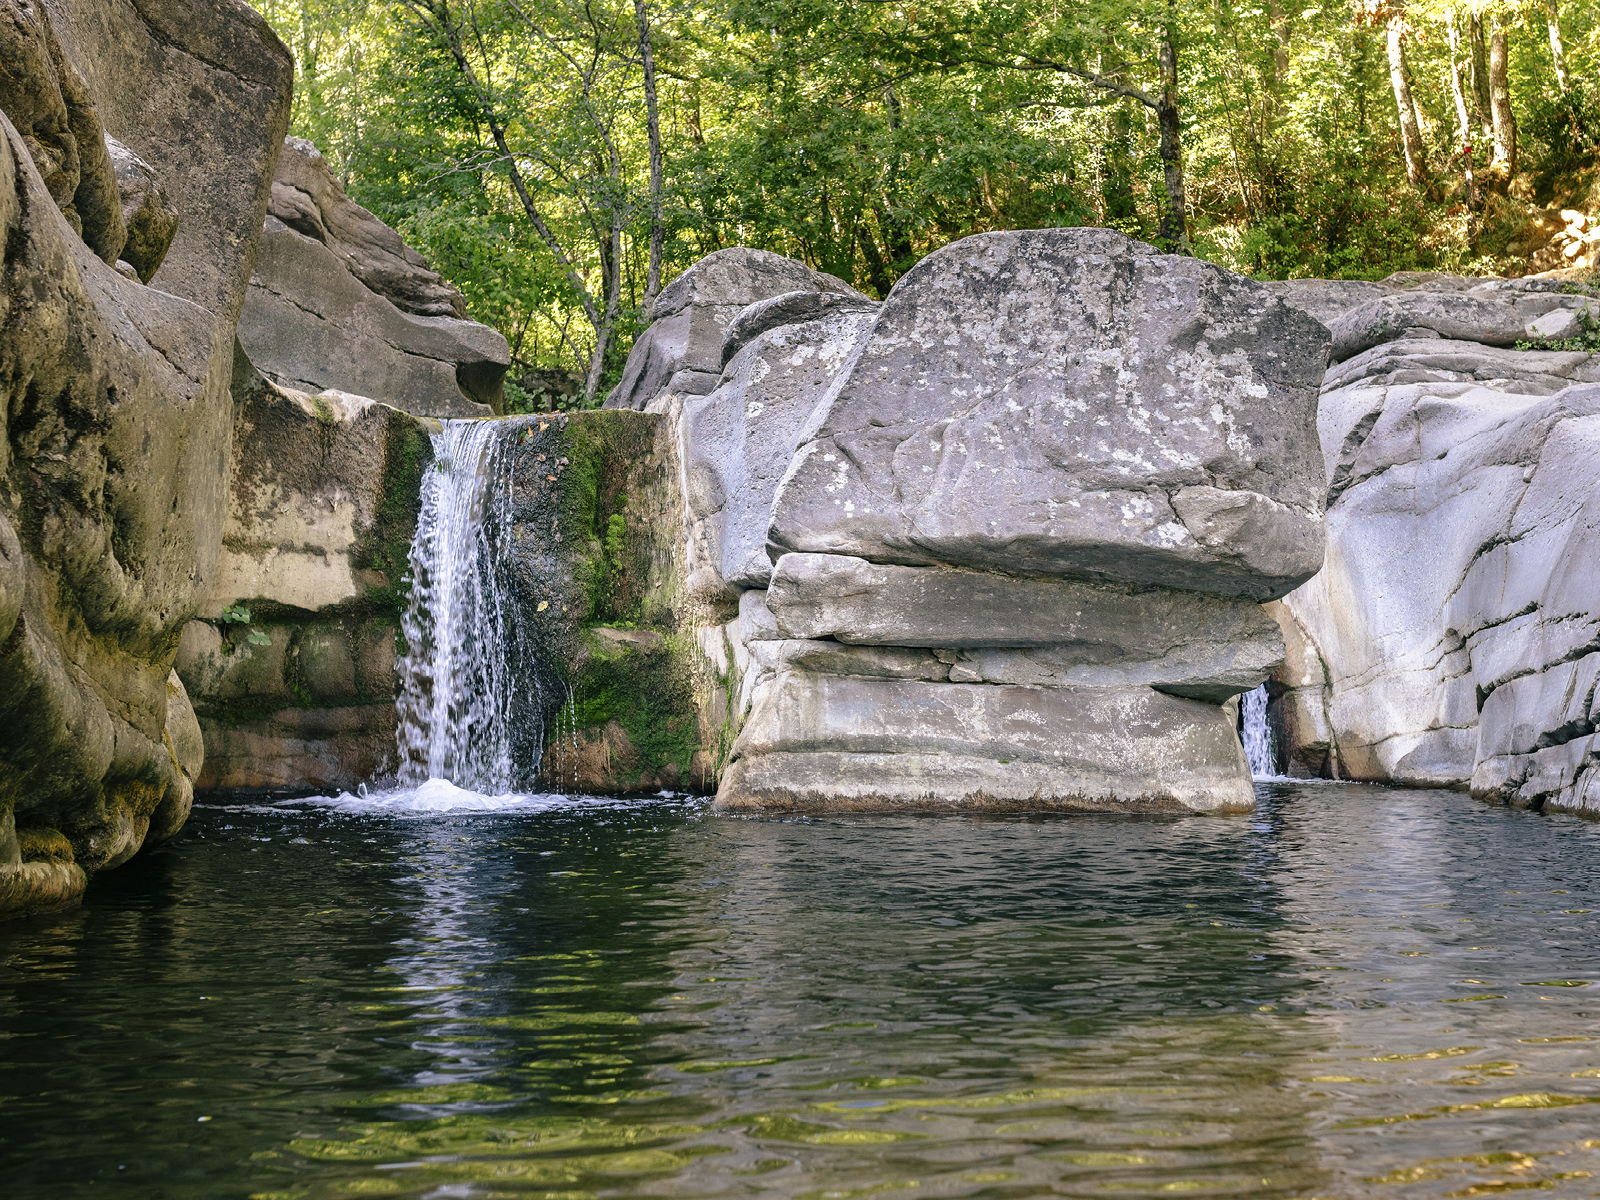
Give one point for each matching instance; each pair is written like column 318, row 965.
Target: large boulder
column 1448, row 640
column 339, row 301
column 682, row 350
column 1071, row 402
column 1019, row 550
column 118, row 457
column 821, row 743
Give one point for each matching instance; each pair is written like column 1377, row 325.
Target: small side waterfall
column 1257, row 734
column 456, row 700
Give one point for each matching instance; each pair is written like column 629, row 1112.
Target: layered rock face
column 1452, row 638
column 999, row 542
column 339, row 301
column 118, row 429
column 291, row 664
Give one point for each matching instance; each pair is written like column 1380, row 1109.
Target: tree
column 1502, row 119
column 1405, row 105
column 522, row 65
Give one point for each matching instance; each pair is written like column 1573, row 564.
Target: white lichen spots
column 752, row 409
column 1170, row 534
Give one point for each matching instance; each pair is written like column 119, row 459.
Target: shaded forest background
column 559, row 160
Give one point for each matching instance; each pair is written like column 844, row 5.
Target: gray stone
column 682, row 349
column 1043, row 632
column 1463, row 535
column 1326, row 299
column 310, row 324
column 119, row 458
column 817, row 742
column 739, row 440
column 791, row 308
column 1493, row 319
column 151, row 220
column 1070, row 402
column 308, row 199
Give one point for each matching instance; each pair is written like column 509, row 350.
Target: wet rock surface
column 338, row 301
column 1448, row 639
column 117, row 465
column 291, row 662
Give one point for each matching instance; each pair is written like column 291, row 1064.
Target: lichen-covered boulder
column 339, row 301
column 682, row 350
column 117, row 460
column 1071, row 402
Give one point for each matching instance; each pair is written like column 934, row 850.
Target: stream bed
column 1353, row 992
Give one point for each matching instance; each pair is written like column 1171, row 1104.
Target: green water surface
column 1355, row 992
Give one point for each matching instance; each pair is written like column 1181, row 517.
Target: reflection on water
column 1354, row 992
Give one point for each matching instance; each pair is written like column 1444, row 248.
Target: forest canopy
column 559, row 160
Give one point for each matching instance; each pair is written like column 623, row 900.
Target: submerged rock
column 118, row 461
column 339, row 301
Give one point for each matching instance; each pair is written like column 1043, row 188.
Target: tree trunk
column 1503, row 120
column 1463, row 122
column 1173, row 236
column 1480, row 74
column 1558, row 52
column 653, row 125
column 1410, row 127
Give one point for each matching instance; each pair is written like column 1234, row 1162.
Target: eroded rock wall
column 118, row 424
column 1455, row 628
column 291, row 661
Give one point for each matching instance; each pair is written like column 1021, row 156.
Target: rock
column 323, row 504
column 311, row 324
column 44, row 94
column 151, row 220
column 682, row 349
column 1556, row 325
column 1070, row 402
column 1461, row 545
column 738, row 441
column 822, row 743
column 791, row 308
column 1326, row 299
column 1492, row 319
column 308, row 199
column 1043, row 632
column 118, row 459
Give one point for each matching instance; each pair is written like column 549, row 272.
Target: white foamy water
column 436, row 796
column 455, row 682
column 1257, row 734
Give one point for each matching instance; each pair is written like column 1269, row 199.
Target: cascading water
column 456, row 694
column 1257, row 734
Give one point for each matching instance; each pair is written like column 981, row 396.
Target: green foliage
column 1588, row 341
column 861, row 137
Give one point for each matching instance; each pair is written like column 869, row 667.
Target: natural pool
column 1354, row 992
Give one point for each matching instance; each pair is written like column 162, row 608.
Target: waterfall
column 1257, row 734
column 456, row 684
